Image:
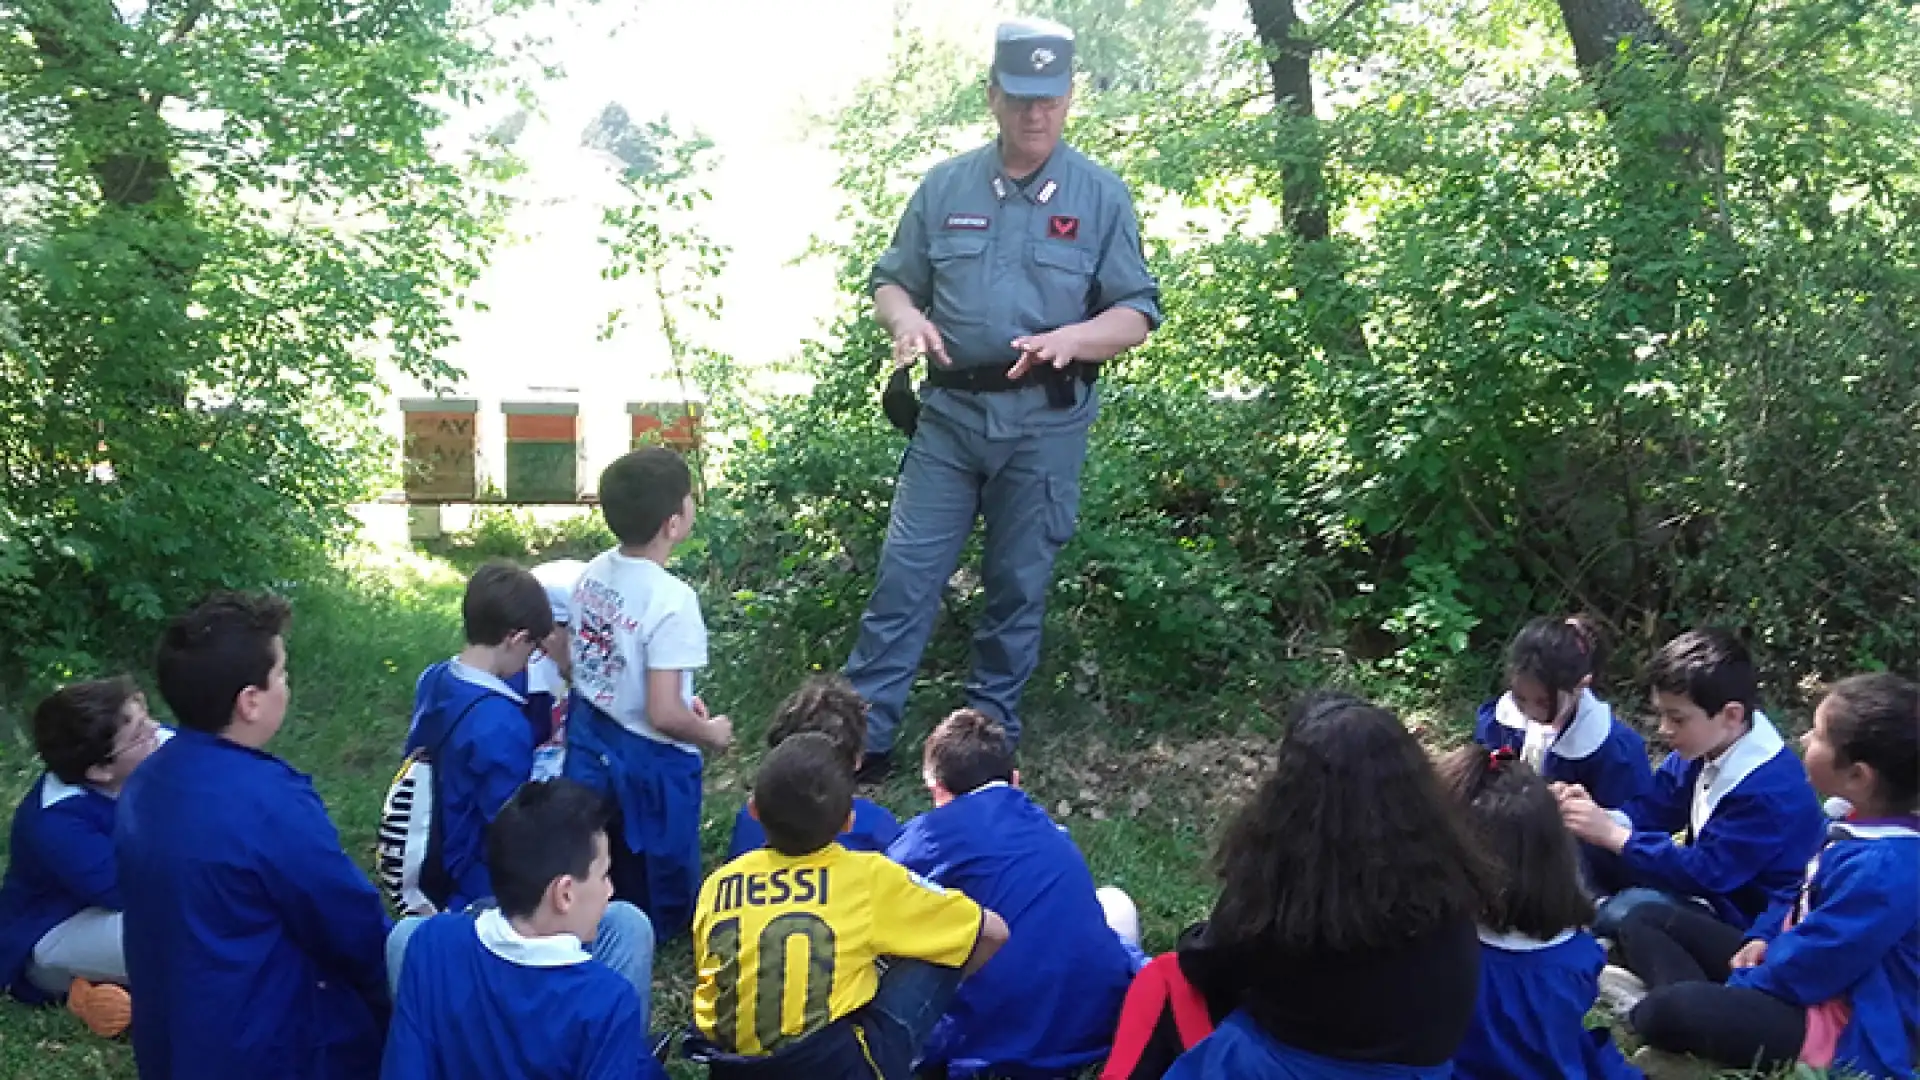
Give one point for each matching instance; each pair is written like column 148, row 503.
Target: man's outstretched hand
column 1055, row 348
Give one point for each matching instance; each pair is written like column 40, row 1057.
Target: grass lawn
column 1143, row 806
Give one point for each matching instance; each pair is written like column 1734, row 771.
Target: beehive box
column 675, row 424
column 440, row 450
column 543, row 451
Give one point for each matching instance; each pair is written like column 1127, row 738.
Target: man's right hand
column 914, row 336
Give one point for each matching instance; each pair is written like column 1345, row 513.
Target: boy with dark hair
column 60, row 921
column 473, row 727
column 827, row 704
column 1049, row 1004
column 635, row 729
column 253, row 942
column 762, row 1012
column 1731, row 786
column 512, row 992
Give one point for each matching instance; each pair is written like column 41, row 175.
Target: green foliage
column 218, row 221
column 1635, row 340
column 501, row 533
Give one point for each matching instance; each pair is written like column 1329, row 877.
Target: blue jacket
column 474, row 728
column 61, row 863
column 1048, row 1002
column 479, row 1002
column 1531, row 1018
column 1748, row 858
column 874, row 827
column 1239, row 1050
column 1594, row 750
column 255, row 946
column 1858, row 939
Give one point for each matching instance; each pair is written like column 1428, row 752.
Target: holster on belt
column 900, row 403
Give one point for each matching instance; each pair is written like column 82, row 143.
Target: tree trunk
column 114, row 122
column 1317, row 269
column 1290, row 62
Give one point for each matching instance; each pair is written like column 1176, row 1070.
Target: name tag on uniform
column 968, row 221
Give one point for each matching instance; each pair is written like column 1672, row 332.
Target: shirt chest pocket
column 1062, row 276
column 959, row 277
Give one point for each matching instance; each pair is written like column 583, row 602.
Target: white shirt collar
column 486, row 680
column 503, row 941
column 1750, row 751
column 1847, row 830
column 989, row 785
column 1586, row 730
column 55, row 790
column 1514, row 941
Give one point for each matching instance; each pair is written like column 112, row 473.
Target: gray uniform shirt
column 990, row 261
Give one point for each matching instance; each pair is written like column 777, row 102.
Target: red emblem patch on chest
column 1063, row 228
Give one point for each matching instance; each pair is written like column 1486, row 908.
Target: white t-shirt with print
column 630, row 616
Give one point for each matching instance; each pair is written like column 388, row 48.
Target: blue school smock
column 1534, row 999
column 473, row 726
column 60, row 864
column 255, row 945
column 1859, row 939
column 1049, row 1000
column 479, row 1002
column 656, row 788
column 874, row 828
column 1746, row 850
column 1594, row 750
column 1239, row 1050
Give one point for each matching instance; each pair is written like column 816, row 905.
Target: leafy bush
column 1634, row 339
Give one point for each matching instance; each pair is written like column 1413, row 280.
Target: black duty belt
column 992, row 379
column 902, row 406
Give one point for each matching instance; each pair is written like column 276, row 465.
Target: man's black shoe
column 874, row 768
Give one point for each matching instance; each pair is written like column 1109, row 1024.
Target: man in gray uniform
column 1016, row 270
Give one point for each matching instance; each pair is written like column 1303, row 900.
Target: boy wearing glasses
column 60, row 900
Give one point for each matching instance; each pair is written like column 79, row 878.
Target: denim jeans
column 624, row 942
column 1614, row 909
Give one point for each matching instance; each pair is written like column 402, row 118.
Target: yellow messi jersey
column 785, row 945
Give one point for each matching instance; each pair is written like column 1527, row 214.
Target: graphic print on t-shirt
column 598, row 663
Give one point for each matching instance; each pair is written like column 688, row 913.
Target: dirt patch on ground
column 1199, row 780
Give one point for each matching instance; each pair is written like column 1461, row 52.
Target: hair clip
column 1579, row 635
column 1500, row 757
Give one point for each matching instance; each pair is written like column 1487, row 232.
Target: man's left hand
column 1056, row 347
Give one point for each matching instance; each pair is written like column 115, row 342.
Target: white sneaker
column 1122, row 915
column 1661, row 1065
column 1620, row 991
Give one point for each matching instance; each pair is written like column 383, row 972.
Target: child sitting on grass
column 473, row 727
column 1048, row 1003
column 635, row 729
column 1550, row 718
column 1731, row 785
column 814, row 961
column 254, row 943
column 1539, row 967
column 1834, row 982
column 512, row 992
column 829, row 705
column 60, row 921
column 1343, row 942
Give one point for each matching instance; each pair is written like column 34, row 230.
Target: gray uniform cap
column 1033, row 58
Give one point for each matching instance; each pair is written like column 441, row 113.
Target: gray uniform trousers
column 1028, row 490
